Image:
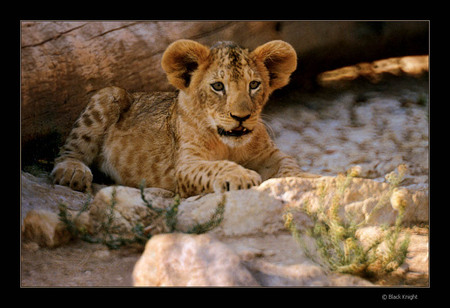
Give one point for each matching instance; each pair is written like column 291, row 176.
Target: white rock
column 126, row 207
column 246, row 212
column 39, row 194
column 360, row 198
column 189, row 260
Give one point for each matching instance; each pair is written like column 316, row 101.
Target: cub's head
column 227, row 83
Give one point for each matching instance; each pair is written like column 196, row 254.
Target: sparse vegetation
column 164, row 220
column 337, row 246
column 105, row 235
column 213, row 222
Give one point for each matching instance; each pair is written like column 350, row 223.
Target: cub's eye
column 218, row 86
column 254, row 84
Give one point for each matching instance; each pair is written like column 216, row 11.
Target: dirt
column 77, row 264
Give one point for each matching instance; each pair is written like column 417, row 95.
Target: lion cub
column 208, row 137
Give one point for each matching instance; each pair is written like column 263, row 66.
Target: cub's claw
column 72, row 173
column 236, row 180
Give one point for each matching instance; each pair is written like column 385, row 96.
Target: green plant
column 105, row 234
column 213, row 222
column 170, row 215
column 70, row 223
column 338, row 247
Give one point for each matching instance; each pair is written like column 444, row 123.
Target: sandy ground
column 77, row 264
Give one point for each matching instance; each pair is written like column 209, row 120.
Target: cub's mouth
column 235, row 132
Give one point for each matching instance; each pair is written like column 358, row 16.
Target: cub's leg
column 85, row 140
column 276, row 164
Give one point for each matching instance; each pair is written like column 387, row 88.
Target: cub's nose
column 240, row 119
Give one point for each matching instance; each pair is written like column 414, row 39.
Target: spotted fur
column 207, row 137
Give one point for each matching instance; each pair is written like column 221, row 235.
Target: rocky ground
column 376, row 127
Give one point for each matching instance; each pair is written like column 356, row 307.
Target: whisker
column 266, row 116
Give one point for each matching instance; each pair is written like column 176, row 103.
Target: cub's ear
column 280, row 59
column 181, row 59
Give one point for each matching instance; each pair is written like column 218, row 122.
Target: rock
column 304, row 274
column 102, row 254
column 124, row 208
column 251, row 245
column 40, row 201
column 414, row 65
column 375, row 130
column 359, row 198
column 251, row 237
column 200, row 260
column 45, row 229
column 255, row 211
column 189, row 260
column 278, row 260
column 246, row 212
column 253, row 228
column 39, row 193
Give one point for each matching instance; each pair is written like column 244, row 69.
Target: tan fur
column 198, row 141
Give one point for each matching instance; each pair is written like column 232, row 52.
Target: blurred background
column 64, row 63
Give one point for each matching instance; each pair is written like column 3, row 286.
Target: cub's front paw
column 72, row 173
column 236, row 179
